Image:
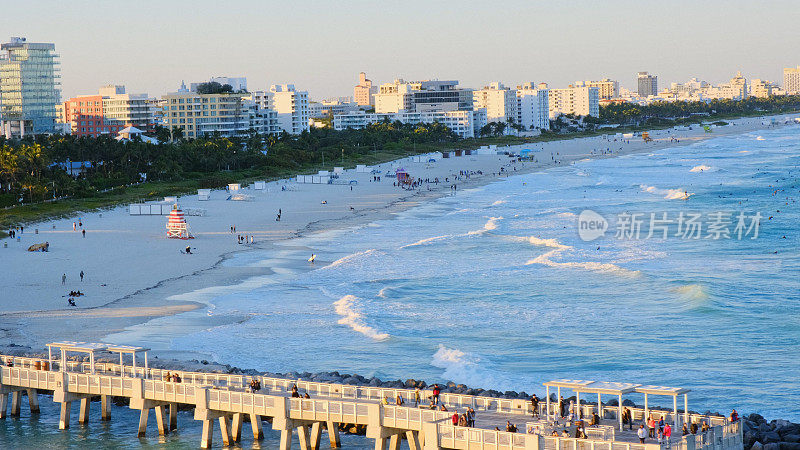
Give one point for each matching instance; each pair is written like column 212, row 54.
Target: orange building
column 108, row 112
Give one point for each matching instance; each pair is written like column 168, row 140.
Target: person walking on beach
column 63, row 279
column 83, row 232
column 81, row 276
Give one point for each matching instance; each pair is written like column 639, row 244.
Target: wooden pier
column 226, row 400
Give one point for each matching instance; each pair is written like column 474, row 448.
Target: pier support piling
column 394, row 442
column 143, row 421
column 225, row 429
column 3, row 405
column 316, row 434
column 258, row 432
column 105, row 408
column 63, row 418
column 380, row 443
column 333, row 434
column 236, row 427
column 413, row 440
column 161, row 420
column 286, row 439
column 173, row 416
column 208, row 432
column 16, row 400
column 83, row 414
column 302, row 435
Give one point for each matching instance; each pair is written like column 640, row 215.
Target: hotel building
column 108, row 112
column 29, row 88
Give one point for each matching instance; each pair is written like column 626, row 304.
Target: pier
column 227, row 402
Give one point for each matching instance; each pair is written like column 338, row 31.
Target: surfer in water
column 312, row 258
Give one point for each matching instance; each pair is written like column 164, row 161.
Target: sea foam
column 347, row 308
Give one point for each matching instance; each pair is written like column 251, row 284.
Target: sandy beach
column 131, row 270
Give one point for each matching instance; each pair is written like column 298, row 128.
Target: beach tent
column 177, row 228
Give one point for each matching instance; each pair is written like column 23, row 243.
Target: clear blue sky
column 320, row 46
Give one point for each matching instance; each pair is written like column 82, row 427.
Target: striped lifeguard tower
column 177, row 228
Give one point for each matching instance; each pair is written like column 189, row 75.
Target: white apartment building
column 607, row 88
column 736, row 89
column 764, row 88
column 580, row 101
column 499, row 101
column 791, row 80
column 421, row 96
column 532, row 106
column 463, row 123
column 332, row 107
column 290, row 105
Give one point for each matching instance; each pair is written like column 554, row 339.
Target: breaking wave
column 669, row 194
column 545, row 259
column 428, row 240
column 700, row 168
column 348, row 258
column 346, row 307
column 462, row 367
column 490, row 225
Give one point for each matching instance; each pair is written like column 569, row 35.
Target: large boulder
column 789, row 446
column 757, row 418
column 791, row 438
column 757, row 446
column 770, row 437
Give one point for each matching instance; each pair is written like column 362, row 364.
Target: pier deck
column 227, row 399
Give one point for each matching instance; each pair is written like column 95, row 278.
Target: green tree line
column 42, row 168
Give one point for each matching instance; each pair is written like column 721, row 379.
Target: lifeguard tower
column 177, row 228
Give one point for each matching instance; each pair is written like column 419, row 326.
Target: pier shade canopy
column 92, row 348
column 619, row 389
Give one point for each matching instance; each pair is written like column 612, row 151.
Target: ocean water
column 493, row 287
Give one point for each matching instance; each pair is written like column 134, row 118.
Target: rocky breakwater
column 758, row 434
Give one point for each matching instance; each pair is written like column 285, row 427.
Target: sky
column 320, row 46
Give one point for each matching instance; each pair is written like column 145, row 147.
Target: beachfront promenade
column 226, row 399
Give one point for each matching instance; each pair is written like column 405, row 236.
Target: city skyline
column 512, row 43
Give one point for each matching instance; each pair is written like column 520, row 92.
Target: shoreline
column 144, row 306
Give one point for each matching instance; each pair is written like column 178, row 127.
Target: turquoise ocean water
column 493, row 287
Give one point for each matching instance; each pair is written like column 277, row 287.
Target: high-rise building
column 648, row 84
column 533, row 106
column 580, row 101
column 791, row 80
column 290, row 105
column 422, row 96
column 108, row 112
column 29, row 88
column 499, row 101
column 364, row 91
column 606, row 88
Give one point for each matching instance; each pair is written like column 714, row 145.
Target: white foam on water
column 349, row 258
column 545, row 259
column 428, row 240
column 499, row 202
column 700, row 168
column 465, row 368
column 346, row 307
column 383, row 291
column 490, row 225
column 669, row 194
